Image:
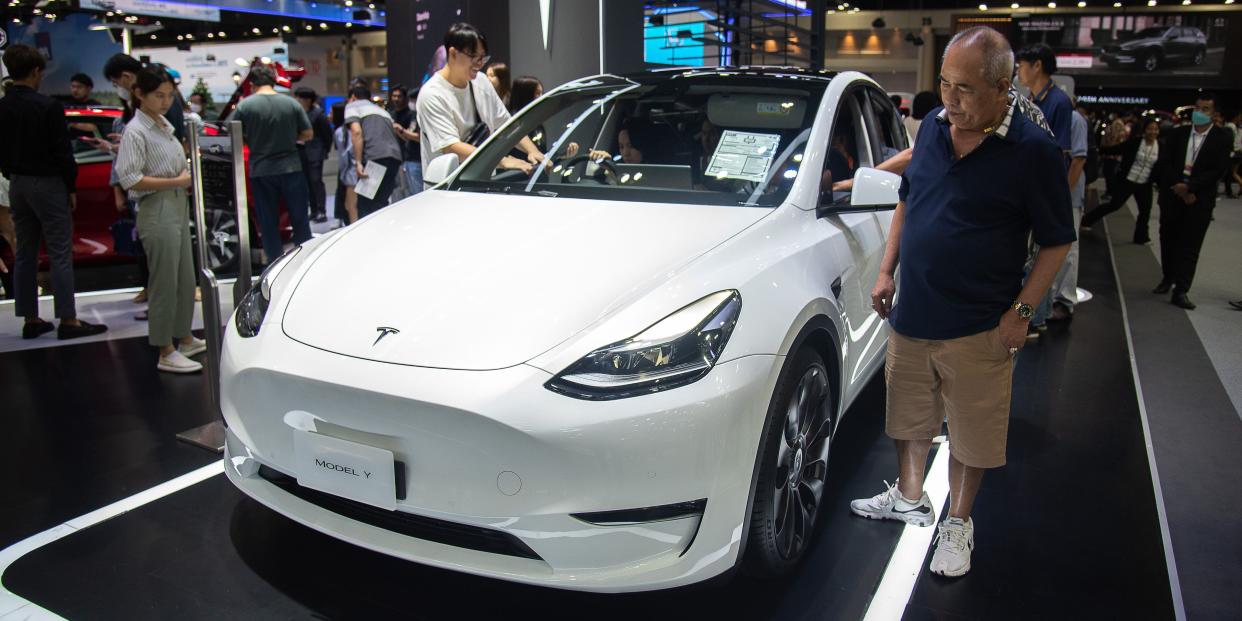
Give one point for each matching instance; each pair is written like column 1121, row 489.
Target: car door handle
column 836, row 288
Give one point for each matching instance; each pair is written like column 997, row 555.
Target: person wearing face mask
column 1189, row 169
column 122, row 69
column 198, row 104
column 459, row 98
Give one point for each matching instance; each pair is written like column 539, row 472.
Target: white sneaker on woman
column 178, row 363
column 953, row 547
column 196, row 347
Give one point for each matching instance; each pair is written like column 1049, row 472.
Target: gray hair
column 997, row 54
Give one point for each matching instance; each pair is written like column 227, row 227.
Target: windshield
column 707, row 139
column 1150, row 33
column 83, row 130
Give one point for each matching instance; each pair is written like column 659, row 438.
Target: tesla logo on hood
column 383, row 332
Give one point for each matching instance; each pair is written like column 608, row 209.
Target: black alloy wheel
column 1151, row 61
column 794, row 468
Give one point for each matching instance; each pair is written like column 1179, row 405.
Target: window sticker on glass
column 743, row 155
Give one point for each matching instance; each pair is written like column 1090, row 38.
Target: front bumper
column 496, row 451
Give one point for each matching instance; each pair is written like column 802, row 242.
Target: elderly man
column 981, row 179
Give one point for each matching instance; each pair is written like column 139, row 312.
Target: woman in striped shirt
column 151, row 166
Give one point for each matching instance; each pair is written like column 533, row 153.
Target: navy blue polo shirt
column 1059, row 112
column 964, row 238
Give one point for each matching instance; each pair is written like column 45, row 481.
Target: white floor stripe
column 906, row 564
column 1179, row 607
column 14, row 607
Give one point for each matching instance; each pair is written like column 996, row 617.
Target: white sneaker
column 196, row 347
column 890, row 505
column 178, row 363
column 953, row 547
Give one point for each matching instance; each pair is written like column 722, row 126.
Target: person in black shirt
column 37, row 158
column 405, row 124
column 314, row 151
column 80, row 87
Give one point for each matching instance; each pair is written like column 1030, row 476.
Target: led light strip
column 906, row 563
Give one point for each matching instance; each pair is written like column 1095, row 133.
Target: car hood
column 1133, row 43
column 484, row 281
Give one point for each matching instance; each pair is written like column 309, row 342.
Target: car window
column 724, row 140
column 888, row 132
column 848, row 150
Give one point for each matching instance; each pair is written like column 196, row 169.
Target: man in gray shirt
column 272, row 125
column 373, row 140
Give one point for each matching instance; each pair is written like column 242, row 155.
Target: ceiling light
column 241, row 62
column 221, row 33
column 1185, row 2
column 254, row 30
column 371, row 6
column 153, row 37
column 181, row 37
column 1082, row 5
column 983, row 7
column 1052, row 5
column 1151, row 2
column 190, row 37
column 349, row 2
column 349, row 24
column 1116, row 5
column 286, row 28
column 1014, row 6
column 323, row 25
column 211, row 35
column 308, row 27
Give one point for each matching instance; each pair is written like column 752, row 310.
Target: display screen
column 1164, row 44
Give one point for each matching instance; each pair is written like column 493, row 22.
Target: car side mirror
column 440, row 168
column 874, row 190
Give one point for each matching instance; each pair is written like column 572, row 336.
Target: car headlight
column 254, row 304
column 678, row 350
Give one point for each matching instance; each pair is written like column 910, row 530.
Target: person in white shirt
column 1135, row 178
column 459, row 98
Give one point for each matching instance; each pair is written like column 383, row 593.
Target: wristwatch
column 1025, row 311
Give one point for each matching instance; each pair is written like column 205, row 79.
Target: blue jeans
column 413, row 176
column 268, row 192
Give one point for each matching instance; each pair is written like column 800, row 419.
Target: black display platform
column 1046, row 548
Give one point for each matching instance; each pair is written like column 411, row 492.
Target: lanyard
column 1195, row 147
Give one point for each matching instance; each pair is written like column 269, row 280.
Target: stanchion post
column 211, row 435
column 241, row 201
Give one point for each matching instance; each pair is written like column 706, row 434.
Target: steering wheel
column 606, row 167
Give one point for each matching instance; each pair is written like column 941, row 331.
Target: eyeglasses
column 476, row 60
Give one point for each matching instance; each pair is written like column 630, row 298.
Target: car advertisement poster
column 1163, row 44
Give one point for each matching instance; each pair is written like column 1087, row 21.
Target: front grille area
column 429, row 529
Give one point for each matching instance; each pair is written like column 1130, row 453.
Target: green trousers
column 164, row 228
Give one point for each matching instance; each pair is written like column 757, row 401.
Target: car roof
column 656, row 76
column 105, row 111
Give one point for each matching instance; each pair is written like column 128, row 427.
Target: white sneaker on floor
column 953, row 547
column 177, row 363
column 196, row 347
column 890, row 505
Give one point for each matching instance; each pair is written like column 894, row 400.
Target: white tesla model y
column 617, row 370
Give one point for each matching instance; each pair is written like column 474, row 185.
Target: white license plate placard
column 347, row 469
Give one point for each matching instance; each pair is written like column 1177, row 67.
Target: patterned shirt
column 149, row 148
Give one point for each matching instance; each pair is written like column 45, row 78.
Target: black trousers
column 368, row 206
column 1121, row 193
column 41, row 215
column 1182, row 229
column 313, row 169
column 1108, row 170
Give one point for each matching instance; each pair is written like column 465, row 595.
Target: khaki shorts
column 967, row 379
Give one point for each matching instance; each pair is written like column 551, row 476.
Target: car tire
column 1199, row 57
column 1150, row 61
column 796, row 439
